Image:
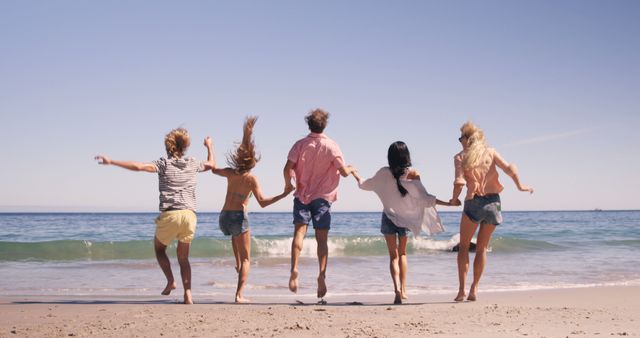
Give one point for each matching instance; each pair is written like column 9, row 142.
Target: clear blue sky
column 554, row 84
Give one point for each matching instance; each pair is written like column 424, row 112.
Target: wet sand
column 591, row 312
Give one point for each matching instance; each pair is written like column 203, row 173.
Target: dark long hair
column 399, row 160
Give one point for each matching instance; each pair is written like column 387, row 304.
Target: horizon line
column 288, row 211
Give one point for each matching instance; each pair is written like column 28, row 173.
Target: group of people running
column 313, row 169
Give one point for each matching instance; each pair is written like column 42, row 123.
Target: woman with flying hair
column 475, row 167
column 234, row 219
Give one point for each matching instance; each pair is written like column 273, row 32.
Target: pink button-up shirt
column 483, row 179
column 317, row 159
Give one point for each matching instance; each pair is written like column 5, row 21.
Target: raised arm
column 512, row 171
column 130, row 165
column 224, row 172
column 266, row 201
column 211, row 162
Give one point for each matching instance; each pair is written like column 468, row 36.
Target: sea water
column 111, row 254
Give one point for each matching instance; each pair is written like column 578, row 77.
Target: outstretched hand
column 526, row 188
column 102, row 159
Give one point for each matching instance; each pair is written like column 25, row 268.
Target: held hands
column 102, row 159
column 356, row 175
column 288, row 188
column 454, row 202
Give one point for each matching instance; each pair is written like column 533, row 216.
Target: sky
column 555, row 85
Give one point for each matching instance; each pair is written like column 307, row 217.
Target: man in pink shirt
column 316, row 163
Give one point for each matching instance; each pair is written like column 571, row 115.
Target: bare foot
column 322, row 287
column 240, row 300
column 187, row 297
column 398, row 299
column 460, row 296
column 472, row 294
column 167, row 290
column 404, row 295
column 293, row 281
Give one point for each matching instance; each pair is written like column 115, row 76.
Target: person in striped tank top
column 177, row 185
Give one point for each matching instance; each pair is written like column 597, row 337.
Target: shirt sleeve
column 160, row 164
column 371, row 183
column 459, row 171
column 294, row 153
column 338, row 158
column 417, row 190
column 201, row 166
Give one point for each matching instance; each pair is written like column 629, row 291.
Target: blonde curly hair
column 176, row 142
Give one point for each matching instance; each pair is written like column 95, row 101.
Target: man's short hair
column 317, row 120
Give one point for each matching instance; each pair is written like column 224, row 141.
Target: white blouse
column 415, row 211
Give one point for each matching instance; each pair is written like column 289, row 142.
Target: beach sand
column 590, row 312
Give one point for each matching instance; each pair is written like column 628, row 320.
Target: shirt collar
column 317, row 135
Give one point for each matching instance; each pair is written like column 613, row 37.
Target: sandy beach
column 596, row 311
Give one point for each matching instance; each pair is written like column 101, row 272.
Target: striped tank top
column 177, row 182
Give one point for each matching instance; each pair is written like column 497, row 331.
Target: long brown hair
column 243, row 158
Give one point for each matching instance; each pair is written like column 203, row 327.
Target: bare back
column 239, row 188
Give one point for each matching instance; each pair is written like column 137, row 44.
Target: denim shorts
column 316, row 211
column 484, row 209
column 387, row 227
column 233, row 222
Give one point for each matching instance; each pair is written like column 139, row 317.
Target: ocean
column 111, row 254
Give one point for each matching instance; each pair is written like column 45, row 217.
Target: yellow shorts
column 179, row 224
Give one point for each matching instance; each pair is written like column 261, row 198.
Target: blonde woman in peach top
column 475, row 167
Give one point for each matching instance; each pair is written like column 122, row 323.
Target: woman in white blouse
column 407, row 206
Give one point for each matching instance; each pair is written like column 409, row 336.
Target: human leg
column 484, row 236
column 467, row 229
column 323, row 256
column 243, row 243
column 234, row 223
column 185, row 269
column 404, row 267
column 165, row 265
column 236, row 254
column 296, row 247
column 394, row 268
